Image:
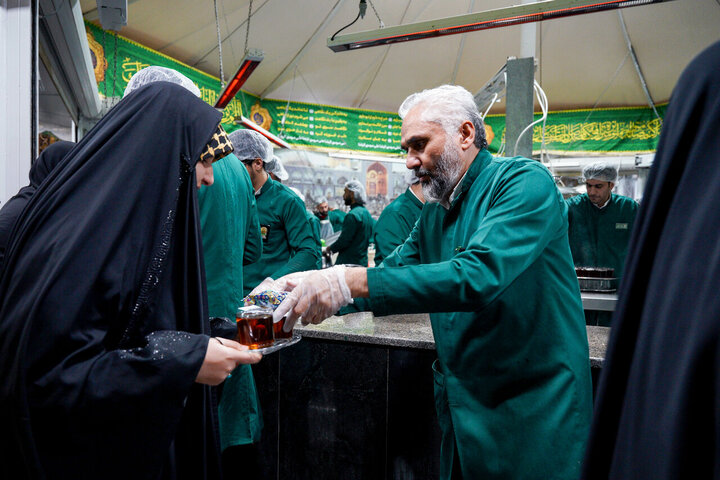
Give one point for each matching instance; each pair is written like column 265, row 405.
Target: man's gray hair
column 449, row 106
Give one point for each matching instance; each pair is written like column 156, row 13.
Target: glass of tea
column 255, row 326
column 279, row 332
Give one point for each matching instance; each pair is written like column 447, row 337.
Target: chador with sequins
column 103, row 310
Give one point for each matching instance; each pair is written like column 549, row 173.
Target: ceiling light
column 247, row 123
column 501, row 17
column 248, row 64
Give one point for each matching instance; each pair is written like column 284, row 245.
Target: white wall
column 16, row 61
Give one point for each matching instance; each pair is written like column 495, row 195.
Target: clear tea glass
column 279, row 332
column 255, row 326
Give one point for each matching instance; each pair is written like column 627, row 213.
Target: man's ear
column 467, row 135
column 257, row 164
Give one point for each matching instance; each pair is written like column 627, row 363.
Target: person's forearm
column 356, row 279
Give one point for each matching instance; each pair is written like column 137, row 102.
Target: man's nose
column 412, row 161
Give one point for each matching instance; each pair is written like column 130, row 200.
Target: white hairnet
column 357, row 188
column 602, row 171
column 159, row 74
column 298, row 193
column 411, row 178
column 321, row 200
column 250, row 145
column 275, row 166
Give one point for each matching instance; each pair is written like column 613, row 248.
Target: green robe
column 231, row 239
column 288, row 242
column 512, row 379
column 316, row 227
column 395, row 224
column 352, row 244
column 599, row 236
column 336, row 217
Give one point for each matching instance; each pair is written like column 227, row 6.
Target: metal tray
column 598, row 285
column 279, row 344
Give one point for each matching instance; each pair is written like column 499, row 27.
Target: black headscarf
column 40, row 169
column 103, row 310
column 658, row 402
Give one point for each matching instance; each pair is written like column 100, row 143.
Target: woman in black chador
column 40, row 169
column 105, row 354
column 658, row 406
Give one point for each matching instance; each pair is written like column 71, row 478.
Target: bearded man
column 489, row 260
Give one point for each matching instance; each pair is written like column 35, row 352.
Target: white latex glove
column 318, row 295
column 267, row 284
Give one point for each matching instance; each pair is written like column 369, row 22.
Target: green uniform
column 315, row 225
column 352, row 244
column 288, row 242
column 512, row 379
column 395, row 224
column 599, row 237
column 336, row 217
column 231, row 239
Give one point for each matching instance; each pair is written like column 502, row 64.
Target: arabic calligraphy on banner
column 327, row 128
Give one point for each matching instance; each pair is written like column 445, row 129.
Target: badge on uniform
column 621, row 226
column 264, row 229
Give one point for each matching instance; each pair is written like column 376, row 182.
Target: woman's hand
column 221, row 358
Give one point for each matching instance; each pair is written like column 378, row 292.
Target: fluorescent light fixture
column 501, row 17
column 248, row 64
column 247, row 123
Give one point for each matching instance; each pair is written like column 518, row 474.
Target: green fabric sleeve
column 304, row 254
column 388, row 235
column 349, row 230
column 526, row 215
column 253, row 237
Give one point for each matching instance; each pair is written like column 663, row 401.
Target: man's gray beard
column 445, row 176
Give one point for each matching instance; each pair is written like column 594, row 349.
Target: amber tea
column 279, row 332
column 255, row 327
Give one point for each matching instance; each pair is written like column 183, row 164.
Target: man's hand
column 221, row 358
column 318, row 295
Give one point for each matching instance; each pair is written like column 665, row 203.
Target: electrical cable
column 543, row 107
column 492, row 102
column 217, row 27
column 247, row 32
column 361, row 13
column 382, row 24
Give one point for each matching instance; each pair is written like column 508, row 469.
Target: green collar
column 266, row 186
column 415, row 200
column 482, row 160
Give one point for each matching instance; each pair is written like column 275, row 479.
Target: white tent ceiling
column 582, row 61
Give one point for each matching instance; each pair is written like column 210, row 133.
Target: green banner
column 606, row 130
column 116, row 59
column 326, row 128
column 322, row 127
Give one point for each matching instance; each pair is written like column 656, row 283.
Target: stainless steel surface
column 599, row 301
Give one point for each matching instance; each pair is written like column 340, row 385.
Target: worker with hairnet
column 288, row 242
column 276, row 170
column 352, row 244
column 398, row 218
column 321, row 214
column 600, row 223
